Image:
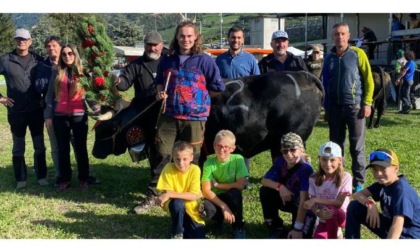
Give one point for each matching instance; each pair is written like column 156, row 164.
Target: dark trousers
column 349, row 117
column 63, row 125
column 271, row 204
column 356, row 216
column 18, row 125
column 232, row 198
column 182, row 222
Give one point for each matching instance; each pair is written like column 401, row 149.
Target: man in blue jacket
column 24, row 109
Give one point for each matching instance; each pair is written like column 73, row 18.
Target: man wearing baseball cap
column 23, row 105
column 142, row 73
column 281, row 59
column 399, row 202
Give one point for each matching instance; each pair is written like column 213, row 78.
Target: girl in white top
column 329, row 191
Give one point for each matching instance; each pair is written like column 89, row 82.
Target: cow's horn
column 103, row 117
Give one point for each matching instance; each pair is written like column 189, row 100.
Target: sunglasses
column 224, row 147
column 379, row 156
column 285, row 151
column 64, row 54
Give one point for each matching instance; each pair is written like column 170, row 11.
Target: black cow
column 382, row 82
column 258, row 110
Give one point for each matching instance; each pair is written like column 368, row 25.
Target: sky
column 208, row 6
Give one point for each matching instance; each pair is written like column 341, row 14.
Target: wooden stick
column 163, row 106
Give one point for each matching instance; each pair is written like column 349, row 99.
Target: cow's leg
column 380, row 112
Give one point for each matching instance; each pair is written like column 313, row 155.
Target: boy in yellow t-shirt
column 179, row 183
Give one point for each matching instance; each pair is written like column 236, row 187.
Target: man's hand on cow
column 366, row 110
column 48, row 123
column 161, row 95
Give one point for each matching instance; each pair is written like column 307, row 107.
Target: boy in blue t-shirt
column 399, row 202
column 224, row 178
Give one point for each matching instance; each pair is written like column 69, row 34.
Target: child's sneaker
column 178, row 236
column 358, row 188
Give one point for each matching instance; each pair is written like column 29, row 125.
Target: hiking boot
column 178, row 236
column 148, row 203
column 21, row 185
column 63, row 186
column 43, row 182
column 83, row 185
column 239, row 234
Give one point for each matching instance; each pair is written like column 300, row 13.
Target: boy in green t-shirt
column 179, row 183
column 224, row 178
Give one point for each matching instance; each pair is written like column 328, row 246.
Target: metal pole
column 221, row 29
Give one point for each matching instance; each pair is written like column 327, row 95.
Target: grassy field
column 105, row 211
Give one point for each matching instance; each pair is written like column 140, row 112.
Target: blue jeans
column 182, row 222
column 405, row 94
column 356, row 216
column 349, row 116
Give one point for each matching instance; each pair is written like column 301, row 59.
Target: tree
column 7, row 29
column 43, row 29
column 124, row 32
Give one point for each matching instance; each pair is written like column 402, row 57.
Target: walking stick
column 163, row 106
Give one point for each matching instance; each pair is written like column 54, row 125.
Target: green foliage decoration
column 98, row 52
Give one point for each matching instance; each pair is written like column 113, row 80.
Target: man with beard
column 281, row 59
column 142, row 73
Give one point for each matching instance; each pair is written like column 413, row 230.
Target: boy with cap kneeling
column 399, row 201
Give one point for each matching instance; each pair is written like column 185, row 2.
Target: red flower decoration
column 94, row 55
column 89, row 43
column 90, row 29
column 106, row 73
column 99, row 82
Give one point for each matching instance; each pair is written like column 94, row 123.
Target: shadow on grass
column 88, row 225
column 122, row 186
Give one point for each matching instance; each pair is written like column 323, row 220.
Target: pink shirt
column 328, row 190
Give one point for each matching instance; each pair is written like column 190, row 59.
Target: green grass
column 104, row 211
